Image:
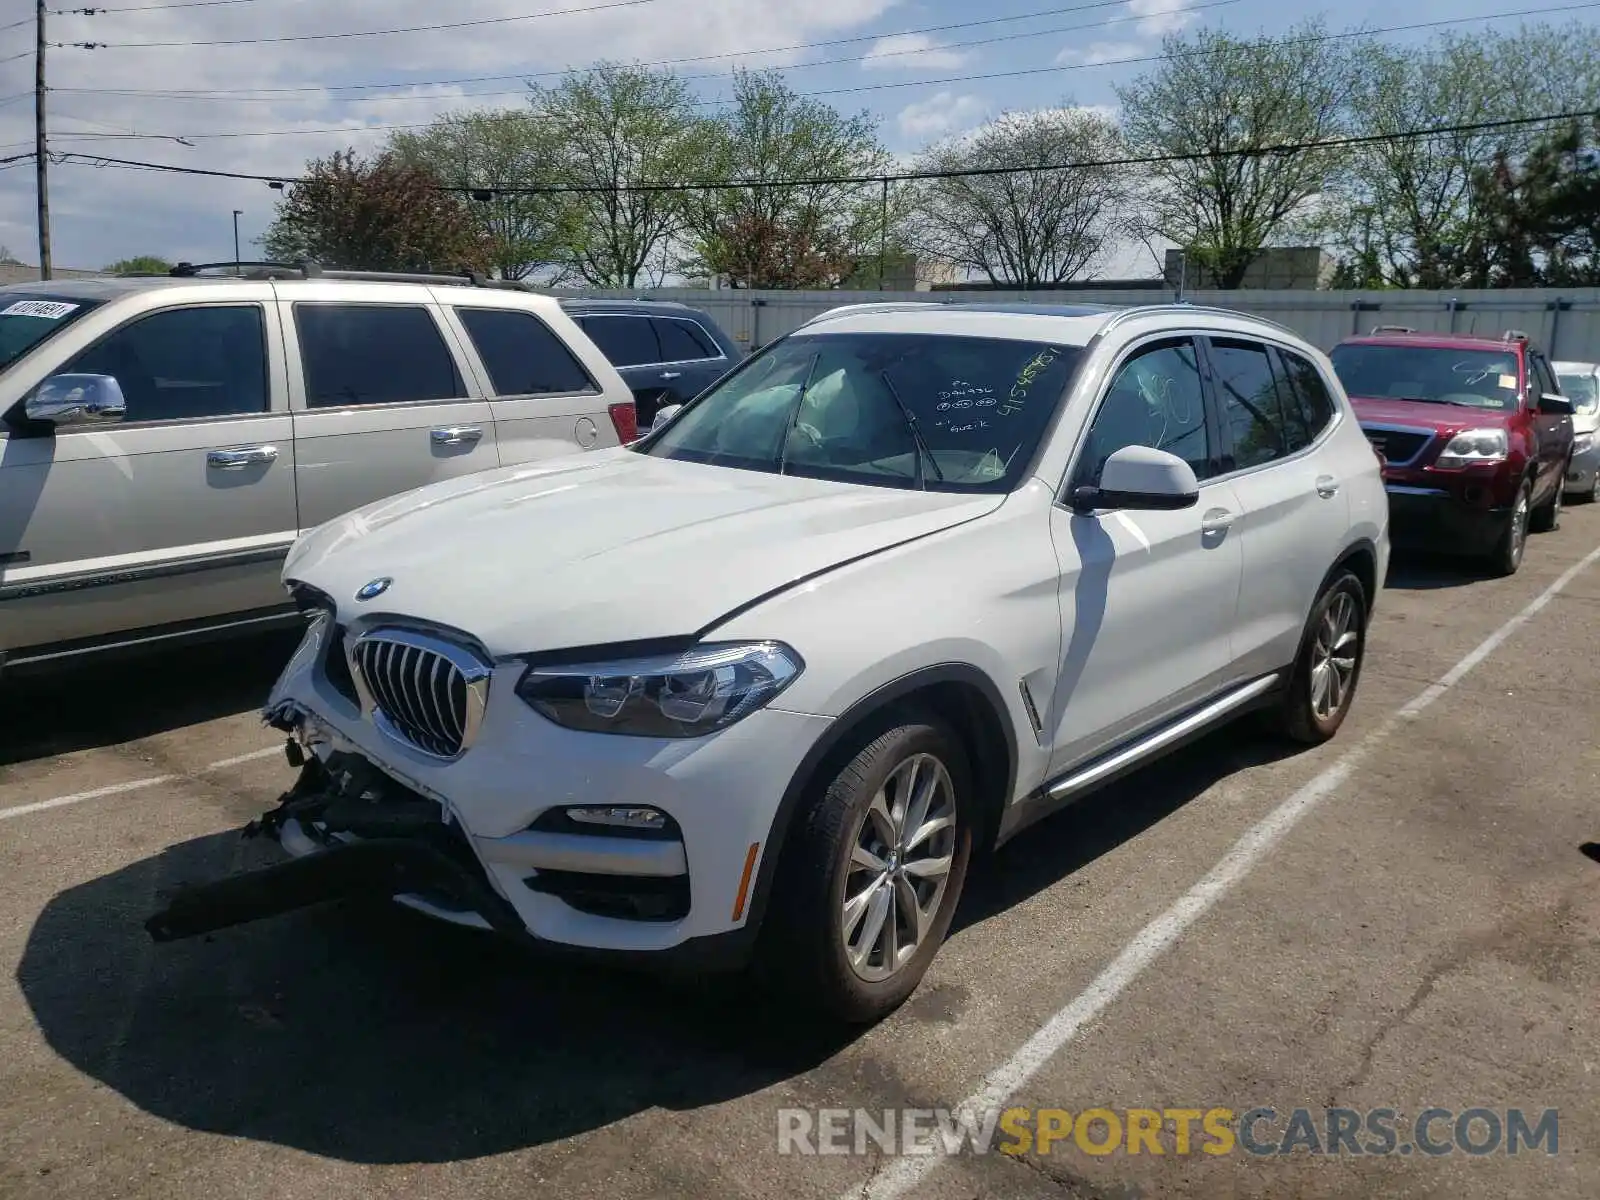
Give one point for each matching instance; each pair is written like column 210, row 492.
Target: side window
column 683, row 341
column 1308, row 405
column 1154, row 400
column 373, row 354
column 522, row 354
column 186, row 363
column 1249, row 397
column 1543, row 381
column 626, row 341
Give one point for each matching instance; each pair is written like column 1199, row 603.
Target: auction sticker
column 1508, row 382
column 50, row 310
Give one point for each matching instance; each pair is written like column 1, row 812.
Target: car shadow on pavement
column 1416, row 571
column 367, row 1034
column 84, row 706
column 1066, row 842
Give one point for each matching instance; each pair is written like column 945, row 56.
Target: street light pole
column 237, row 213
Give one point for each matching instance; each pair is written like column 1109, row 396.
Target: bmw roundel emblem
column 374, row 589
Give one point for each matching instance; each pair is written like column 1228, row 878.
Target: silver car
column 163, row 441
column 1580, row 383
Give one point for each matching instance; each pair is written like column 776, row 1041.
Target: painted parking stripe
column 903, row 1174
column 133, row 785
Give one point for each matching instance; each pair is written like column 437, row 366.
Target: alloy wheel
column 1333, row 657
column 900, row 860
column 1519, row 524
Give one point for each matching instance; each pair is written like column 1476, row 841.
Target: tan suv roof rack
column 312, row 270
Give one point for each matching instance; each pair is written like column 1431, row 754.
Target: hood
column 608, row 546
column 1438, row 417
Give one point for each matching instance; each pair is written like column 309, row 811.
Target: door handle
column 671, row 374
column 455, row 435
column 1217, row 520
column 241, row 457
column 1327, row 486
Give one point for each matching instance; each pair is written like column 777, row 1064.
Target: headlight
column 674, row 695
column 1582, row 443
column 1474, row 446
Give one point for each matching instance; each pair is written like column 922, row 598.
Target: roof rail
column 1377, row 329
column 1515, row 335
column 312, row 270
column 1141, row 310
column 874, row 307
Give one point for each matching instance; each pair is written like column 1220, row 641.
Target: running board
column 1161, row 739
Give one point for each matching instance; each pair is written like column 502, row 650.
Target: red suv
column 1474, row 435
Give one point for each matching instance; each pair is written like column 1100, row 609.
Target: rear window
column 30, row 318
column 1429, row 374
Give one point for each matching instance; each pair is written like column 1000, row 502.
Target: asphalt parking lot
column 1402, row 919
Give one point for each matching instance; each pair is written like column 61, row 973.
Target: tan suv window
column 185, row 363
column 373, row 354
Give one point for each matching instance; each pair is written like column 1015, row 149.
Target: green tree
column 1024, row 229
column 378, row 215
column 1542, row 212
column 807, row 236
column 618, row 131
column 510, row 147
column 1226, row 101
column 139, row 264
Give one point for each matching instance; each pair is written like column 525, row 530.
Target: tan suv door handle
column 241, row 457
column 455, row 435
column 1327, row 486
column 1216, row 520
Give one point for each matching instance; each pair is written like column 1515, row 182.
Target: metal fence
column 1566, row 324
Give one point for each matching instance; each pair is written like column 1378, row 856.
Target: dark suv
column 666, row 353
column 1474, row 434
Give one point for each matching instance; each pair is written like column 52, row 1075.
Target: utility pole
column 41, row 160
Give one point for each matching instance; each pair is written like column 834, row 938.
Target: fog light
column 622, row 818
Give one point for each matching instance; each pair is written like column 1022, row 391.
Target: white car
column 759, row 685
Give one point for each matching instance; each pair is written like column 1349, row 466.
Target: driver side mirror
column 1141, row 478
column 1555, row 406
column 663, row 415
column 77, row 400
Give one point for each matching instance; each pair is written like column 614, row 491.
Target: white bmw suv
column 758, row 686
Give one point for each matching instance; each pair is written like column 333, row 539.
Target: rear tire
column 871, row 874
column 1323, row 685
column 1506, row 557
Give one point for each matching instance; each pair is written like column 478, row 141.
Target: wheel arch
column 961, row 695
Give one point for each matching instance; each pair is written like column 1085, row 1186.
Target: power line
column 266, row 92
column 691, row 78
column 348, row 130
column 1280, row 149
column 365, row 33
column 14, row 57
column 138, row 8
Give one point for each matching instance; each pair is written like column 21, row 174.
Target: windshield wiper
column 916, row 434
column 794, row 417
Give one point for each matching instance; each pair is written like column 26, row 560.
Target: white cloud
column 939, row 115
column 911, row 52
column 101, row 215
column 1100, row 52
column 1161, row 16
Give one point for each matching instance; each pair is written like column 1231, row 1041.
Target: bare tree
column 1047, row 224
column 1210, row 117
column 619, row 131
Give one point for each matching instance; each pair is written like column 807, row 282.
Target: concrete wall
column 1565, row 324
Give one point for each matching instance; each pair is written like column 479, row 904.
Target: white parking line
column 133, row 785
column 905, row 1173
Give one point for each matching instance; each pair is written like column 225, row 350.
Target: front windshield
column 1439, row 375
column 1583, row 391
column 28, row 318
column 897, row 410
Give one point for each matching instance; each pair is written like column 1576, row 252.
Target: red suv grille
column 1395, row 446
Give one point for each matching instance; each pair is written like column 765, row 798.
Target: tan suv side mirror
column 77, row 400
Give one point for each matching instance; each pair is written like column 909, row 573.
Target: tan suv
column 164, row 440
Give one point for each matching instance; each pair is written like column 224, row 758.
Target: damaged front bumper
column 351, row 831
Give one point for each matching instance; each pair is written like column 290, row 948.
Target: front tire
column 1323, row 685
column 1547, row 517
column 871, row 874
column 1506, row 557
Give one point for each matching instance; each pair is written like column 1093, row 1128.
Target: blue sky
column 237, row 121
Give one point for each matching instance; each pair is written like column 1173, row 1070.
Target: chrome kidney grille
column 420, row 689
